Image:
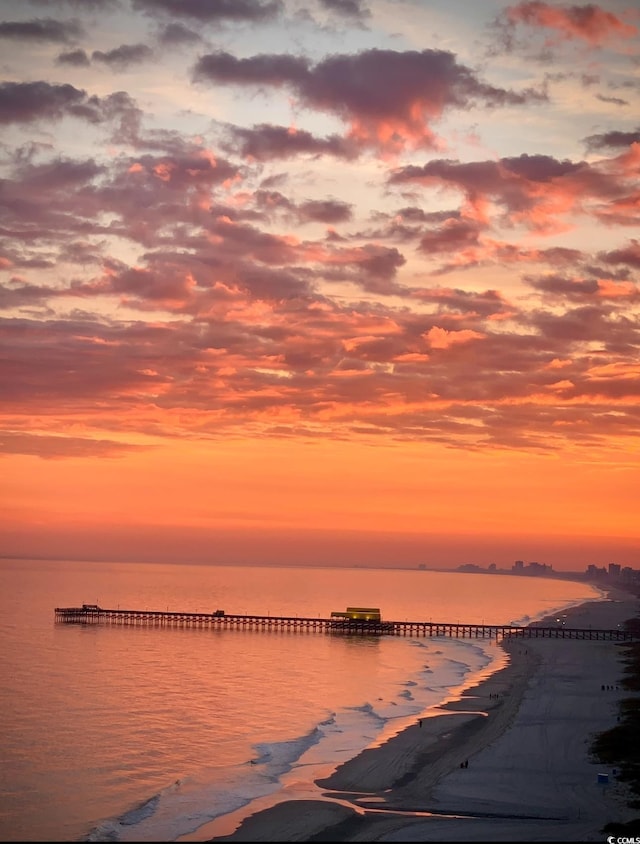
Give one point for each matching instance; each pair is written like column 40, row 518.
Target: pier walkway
column 93, row 614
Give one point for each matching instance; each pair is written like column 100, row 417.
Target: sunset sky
column 320, row 281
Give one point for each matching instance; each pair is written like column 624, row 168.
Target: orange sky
column 359, row 285
column 325, row 503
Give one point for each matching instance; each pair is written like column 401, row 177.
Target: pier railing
column 93, row 614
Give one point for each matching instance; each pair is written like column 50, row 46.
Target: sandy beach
column 525, row 732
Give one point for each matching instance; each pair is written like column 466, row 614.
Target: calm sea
column 133, row 734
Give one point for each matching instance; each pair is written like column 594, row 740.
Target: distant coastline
column 612, row 576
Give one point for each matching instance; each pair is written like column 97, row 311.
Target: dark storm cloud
column 387, row 97
column 124, row 56
column 266, row 142
column 42, row 29
column 212, row 11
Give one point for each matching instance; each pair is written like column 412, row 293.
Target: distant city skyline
column 309, row 548
column 320, row 281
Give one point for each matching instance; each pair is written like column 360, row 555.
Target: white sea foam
column 184, row 807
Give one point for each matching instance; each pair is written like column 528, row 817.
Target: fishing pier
column 337, row 623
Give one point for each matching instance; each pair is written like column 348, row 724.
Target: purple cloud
column 213, row 11
column 388, row 98
column 123, row 57
column 42, row 29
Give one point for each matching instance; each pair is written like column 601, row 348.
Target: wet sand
column 526, row 732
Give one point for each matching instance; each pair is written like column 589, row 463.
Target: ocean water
column 131, row 734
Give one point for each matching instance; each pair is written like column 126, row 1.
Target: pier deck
column 92, row 614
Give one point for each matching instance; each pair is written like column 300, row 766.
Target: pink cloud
column 590, row 22
column 538, row 191
column 441, row 338
column 389, row 99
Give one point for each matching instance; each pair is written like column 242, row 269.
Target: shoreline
column 515, row 787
